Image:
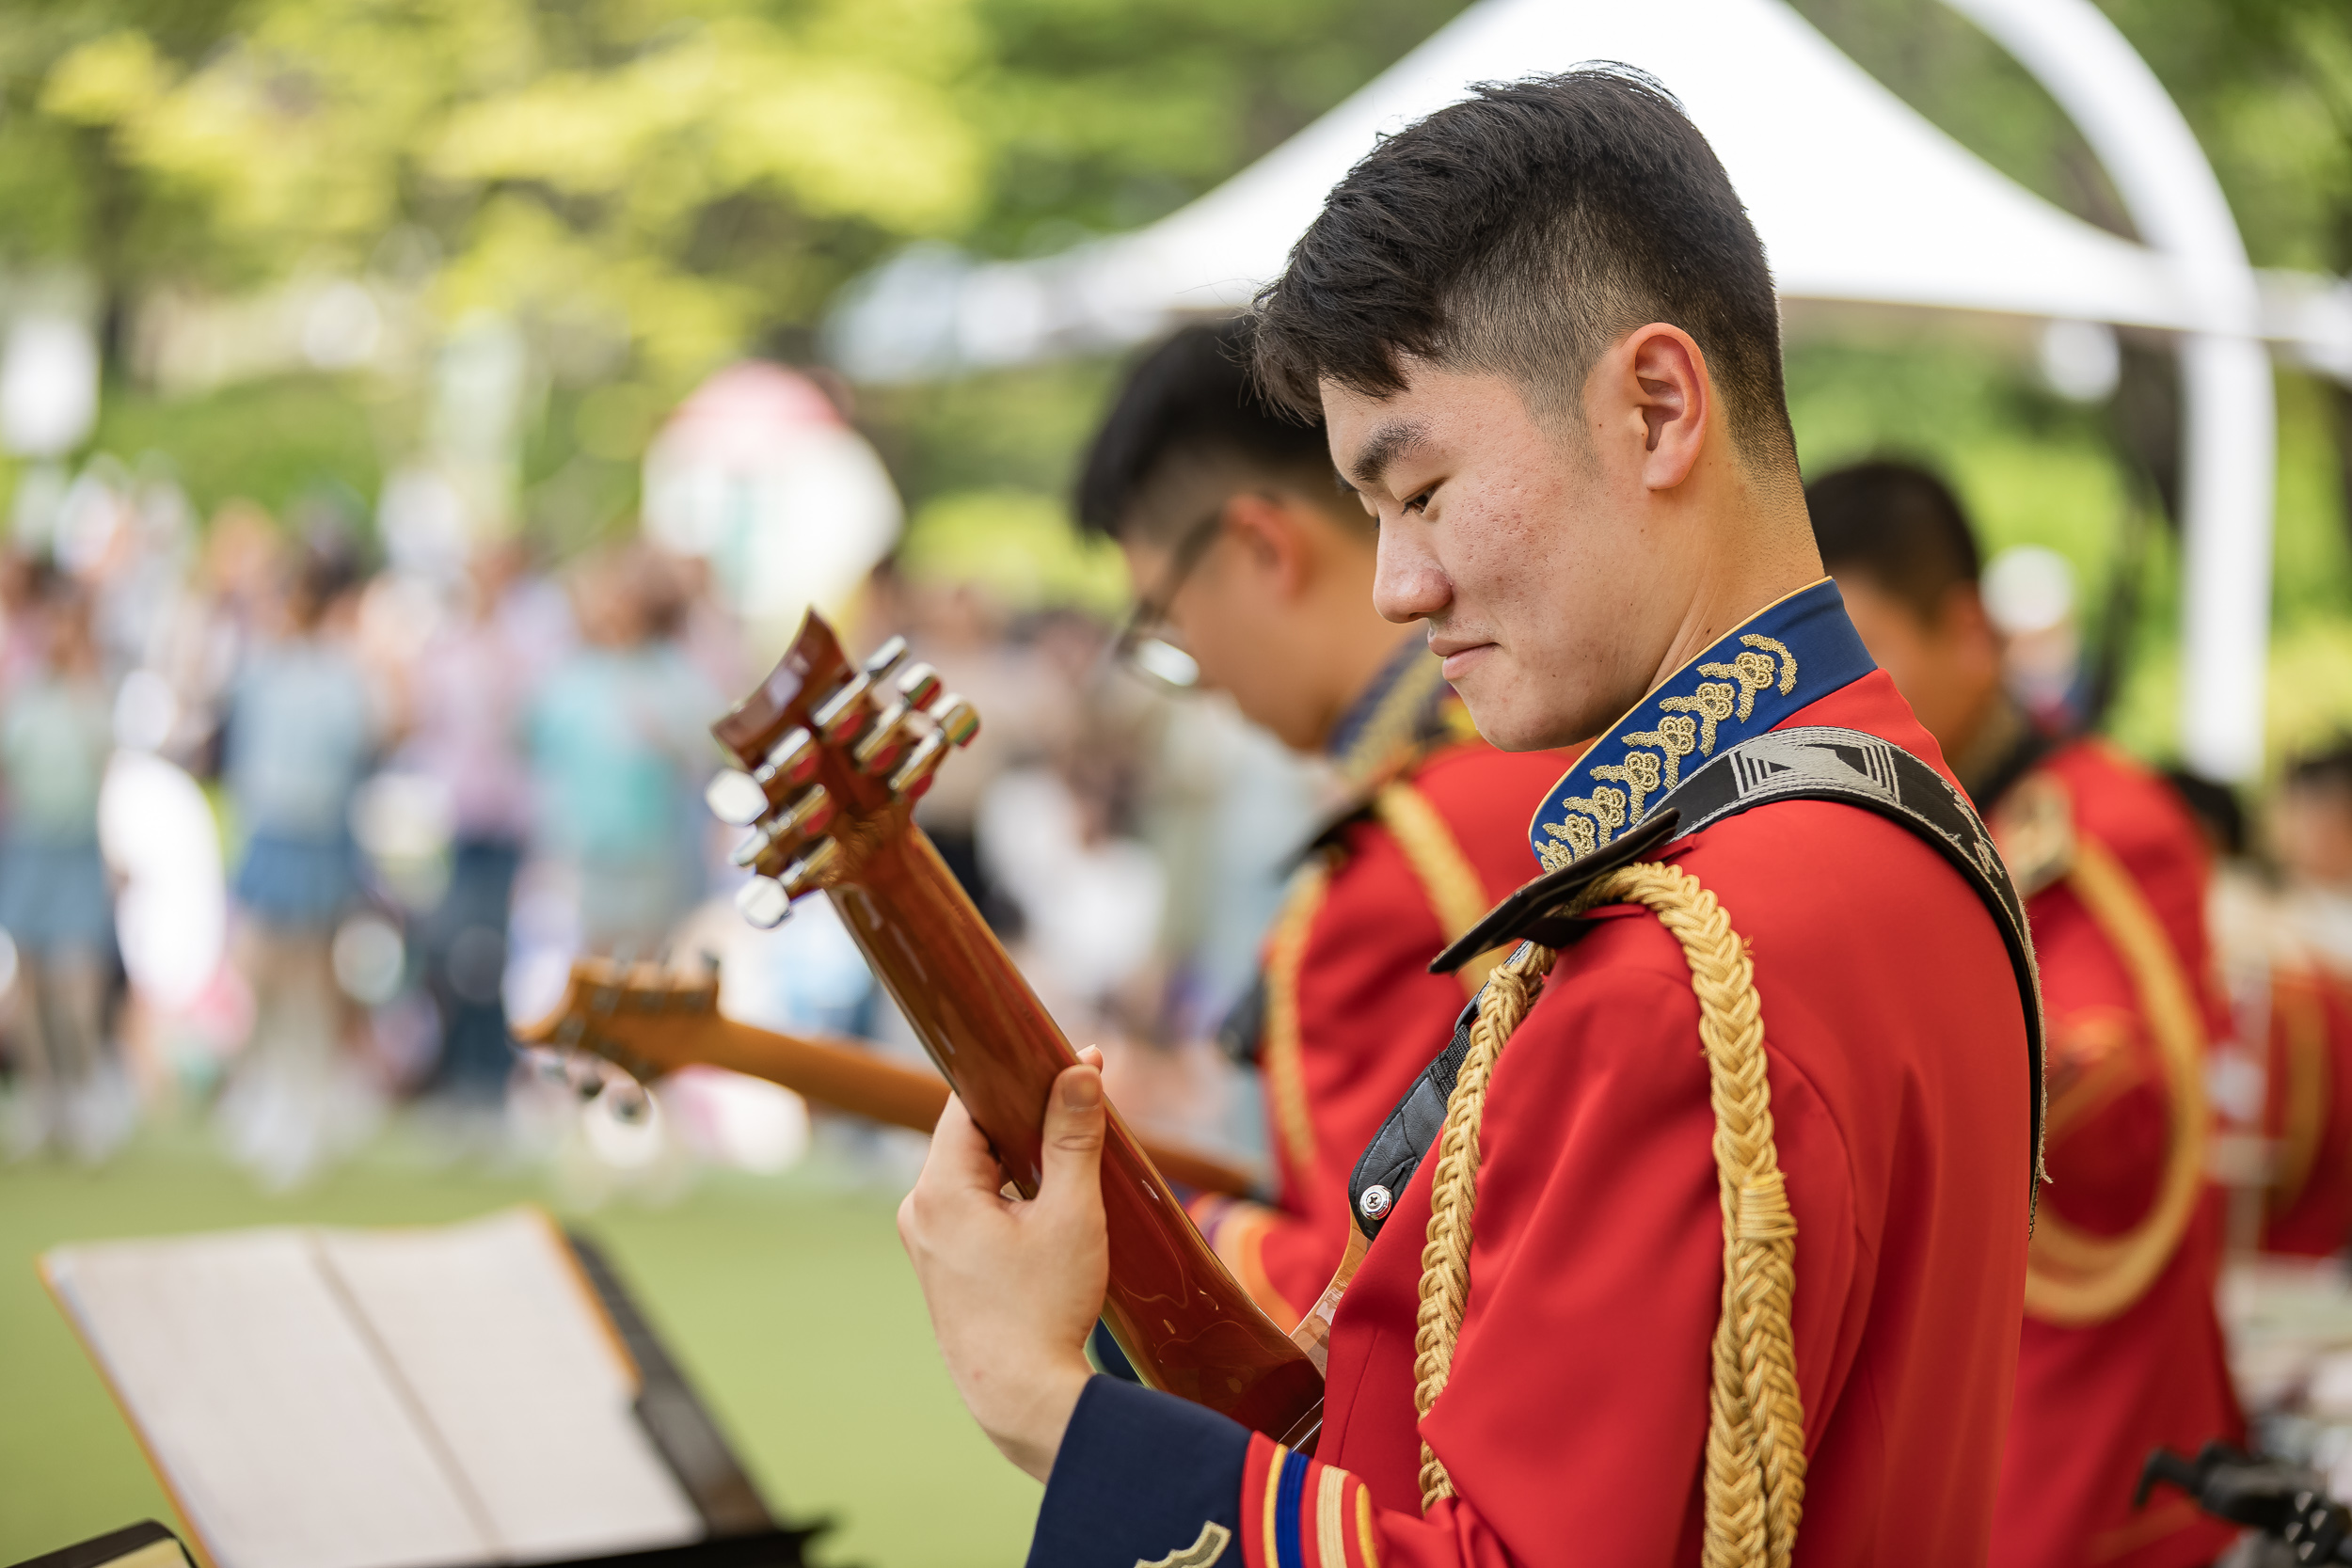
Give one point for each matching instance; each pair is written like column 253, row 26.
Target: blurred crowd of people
column 421, row 794
column 288, row 835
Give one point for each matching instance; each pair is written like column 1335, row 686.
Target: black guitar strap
column 1805, row 763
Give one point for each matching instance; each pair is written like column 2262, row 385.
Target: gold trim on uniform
column 2074, row 1277
column 1205, row 1549
column 1448, row 880
column 1285, row 1065
column 1653, row 762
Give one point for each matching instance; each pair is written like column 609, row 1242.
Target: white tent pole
column 2228, row 407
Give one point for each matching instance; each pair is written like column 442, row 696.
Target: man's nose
column 1407, row 583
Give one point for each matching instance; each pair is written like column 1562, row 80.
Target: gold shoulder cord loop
column 1755, row 1481
column 2073, row 1277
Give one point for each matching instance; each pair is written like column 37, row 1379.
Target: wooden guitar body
column 833, row 759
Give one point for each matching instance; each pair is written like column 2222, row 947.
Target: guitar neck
column 1182, row 1321
column 850, row 1078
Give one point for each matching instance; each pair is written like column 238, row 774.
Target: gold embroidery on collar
column 1688, row 726
column 1712, row 701
column 1641, row 772
column 1675, row 738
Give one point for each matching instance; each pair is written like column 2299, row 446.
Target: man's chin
column 1517, row 720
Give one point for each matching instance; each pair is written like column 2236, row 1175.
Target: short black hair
column 1897, row 525
column 1191, row 400
column 2216, row 809
column 2329, row 769
column 1520, row 232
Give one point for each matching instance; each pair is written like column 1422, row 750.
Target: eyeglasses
column 1144, row 642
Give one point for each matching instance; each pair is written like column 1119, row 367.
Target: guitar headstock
column 579, row 1040
column 833, row 759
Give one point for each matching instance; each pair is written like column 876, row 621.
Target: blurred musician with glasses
column 1253, row 571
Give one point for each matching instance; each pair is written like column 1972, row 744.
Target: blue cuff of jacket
column 1141, row 1477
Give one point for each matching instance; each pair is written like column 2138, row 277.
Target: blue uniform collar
column 1791, row 654
column 1401, row 709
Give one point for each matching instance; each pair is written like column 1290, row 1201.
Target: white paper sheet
column 397, row 1398
column 499, row 1338
column 266, row 1411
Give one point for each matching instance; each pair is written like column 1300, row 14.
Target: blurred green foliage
column 651, row 187
column 674, row 179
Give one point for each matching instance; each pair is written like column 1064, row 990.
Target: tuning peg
column 878, row 663
column 735, row 797
column 919, row 683
column 956, row 719
column 914, row 774
column 802, row 874
column 844, row 713
column 763, row 902
column 627, row 1101
column 584, row 1075
column 813, row 813
column 740, row 799
column 792, row 760
column 885, row 743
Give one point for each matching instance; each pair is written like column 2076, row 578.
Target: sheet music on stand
column 435, row 1397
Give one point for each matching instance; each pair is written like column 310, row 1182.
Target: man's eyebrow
column 1387, row 443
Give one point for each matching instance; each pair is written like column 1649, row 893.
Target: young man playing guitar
column 2121, row 1351
column 1721, row 1223
column 1259, row 566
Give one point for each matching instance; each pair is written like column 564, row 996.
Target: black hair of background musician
column 1519, row 233
column 1189, row 410
column 1897, row 525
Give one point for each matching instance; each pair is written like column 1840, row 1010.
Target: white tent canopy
column 1856, row 195
column 1857, row 198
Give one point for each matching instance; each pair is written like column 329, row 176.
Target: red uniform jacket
column 1352, row 1008
column 2308, row 1212
column 2092, row 1399
column 1575, row 1418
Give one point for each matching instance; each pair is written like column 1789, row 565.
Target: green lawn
column 787, row 1300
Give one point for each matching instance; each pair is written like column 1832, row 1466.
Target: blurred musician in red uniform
column 2122, row 1348
column 1711, row 1225
column 2291, row 1010
column 1253, row 563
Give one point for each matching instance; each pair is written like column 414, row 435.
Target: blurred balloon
column 172, row 917
column 2081, row 360
column 48, row 386
column 758, row 474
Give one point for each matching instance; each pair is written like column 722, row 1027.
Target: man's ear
column 1665, row 384
column 1274, row 540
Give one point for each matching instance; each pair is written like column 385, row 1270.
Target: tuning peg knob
column 956, row 719
column 878, row 663
column 845, row 712
column 791, row 761
column 736, row 799
column 806, row 872
column 919, row 683
column 885, row 743
column 763, row 902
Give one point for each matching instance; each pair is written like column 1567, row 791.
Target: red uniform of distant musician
column 1351, row 1006
column 2308, row 1209
column 2093, row 1398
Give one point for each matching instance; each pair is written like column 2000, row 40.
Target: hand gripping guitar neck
column 834, row 760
